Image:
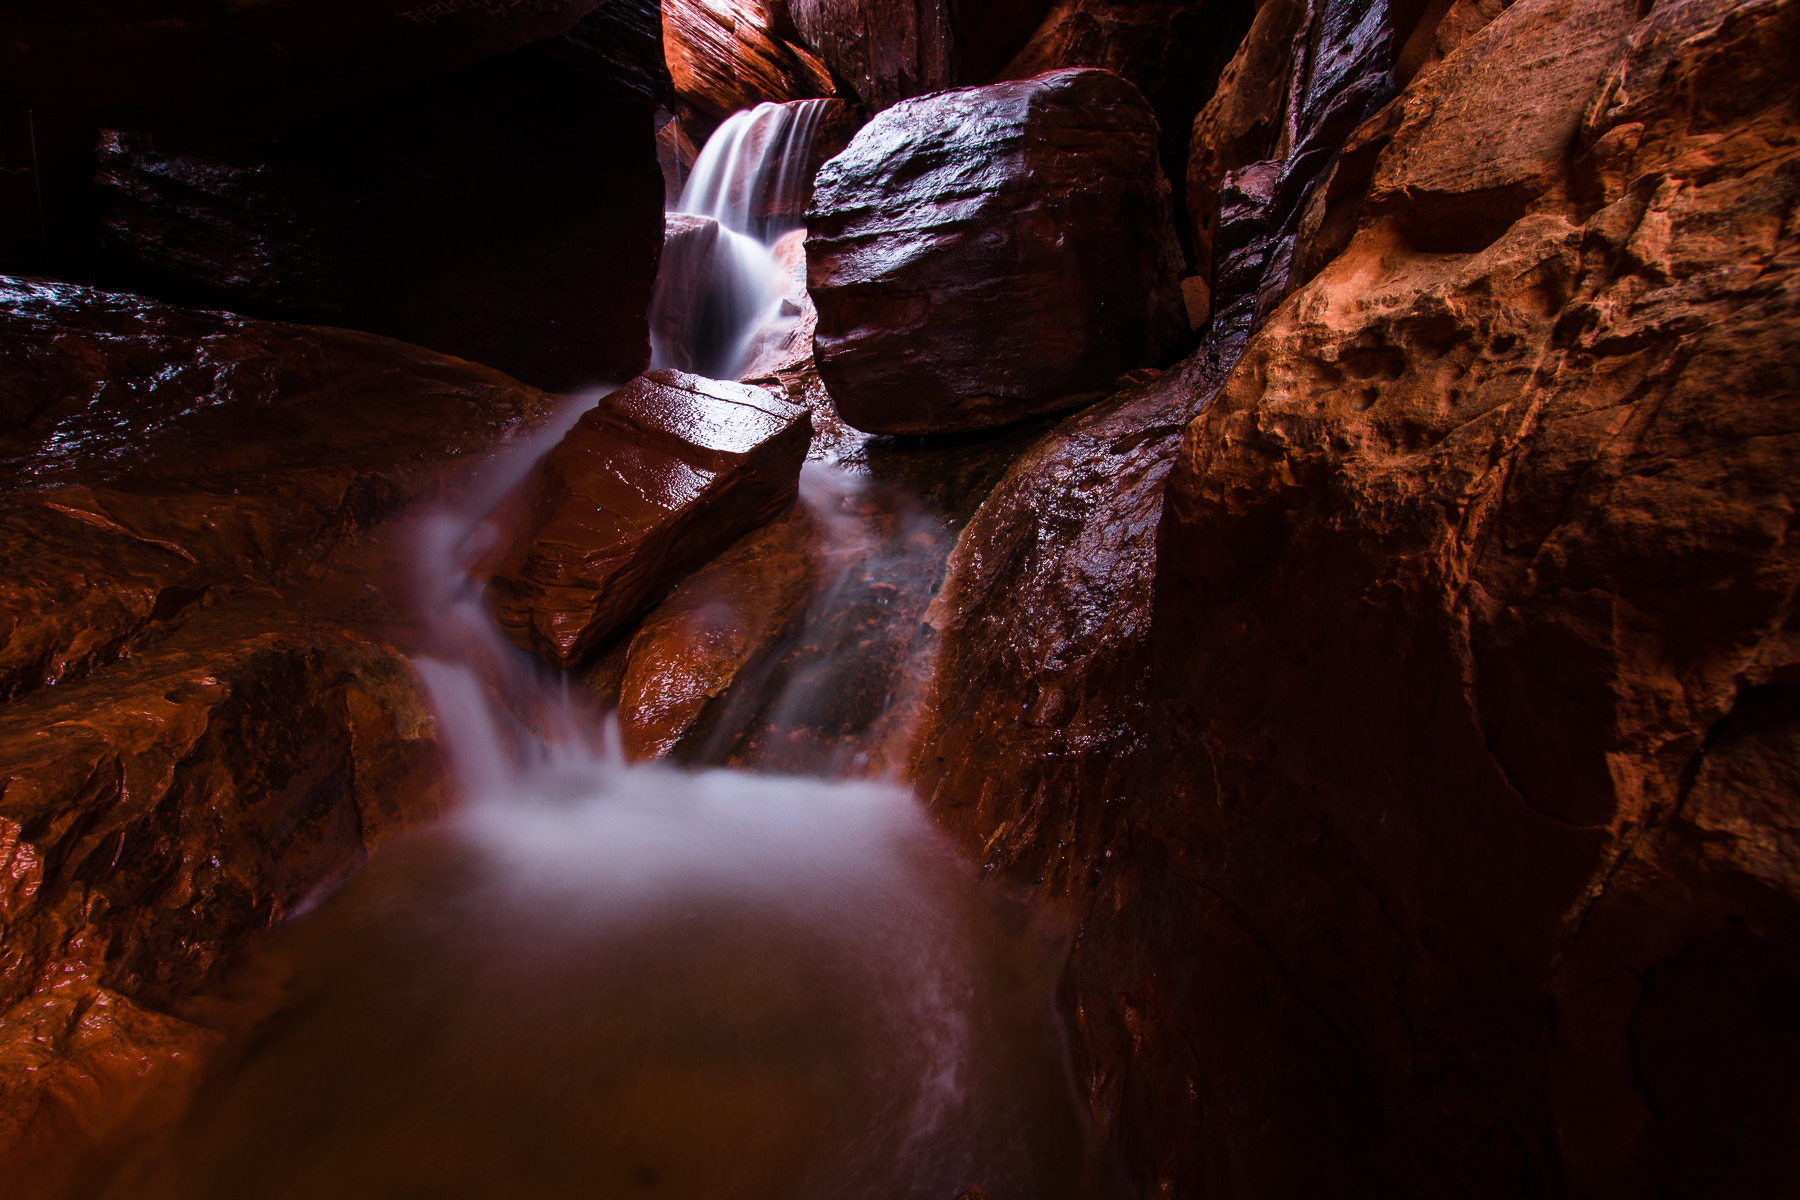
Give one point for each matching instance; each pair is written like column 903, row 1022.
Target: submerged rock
column 696, row 644
column 662, row 475
column 985, row 255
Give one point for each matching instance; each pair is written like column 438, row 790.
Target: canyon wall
column 1458, row 858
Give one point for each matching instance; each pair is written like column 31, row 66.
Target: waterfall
column 720, row 282
column 604, row 979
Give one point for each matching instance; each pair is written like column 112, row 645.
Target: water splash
column 720, row 282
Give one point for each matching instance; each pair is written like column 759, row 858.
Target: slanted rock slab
column 667, row 472
column 986, row 255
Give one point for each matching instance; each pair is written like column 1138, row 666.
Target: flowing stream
column 721, row 282
column 602, row 979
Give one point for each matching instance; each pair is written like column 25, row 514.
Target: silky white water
column 717, row 289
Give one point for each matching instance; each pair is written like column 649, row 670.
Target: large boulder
column 989, row 254
column 1171, row 51
column 659, row 477
column 207, row 714
column 1459, row 856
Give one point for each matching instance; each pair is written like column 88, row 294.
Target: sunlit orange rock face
column 990, row 254
column 727, row 54
column 662, row 475
column 207, row 715
column 1460, row 858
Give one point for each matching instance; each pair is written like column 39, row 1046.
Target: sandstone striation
column 663, row 474
column 993, row 253
column 1459, row 860
column 725, row 56
column 1172, row 52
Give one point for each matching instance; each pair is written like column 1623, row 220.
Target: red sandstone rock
column 205, row 719
column 1475, row 620
column 717, row 623
column 1172, row 52
column 724, row 56
column 990, row 254
column 1038, row 708
column 889, row 50
column 1462, row 854
column 785, row 344
column 663, row 474
column 1284, row 118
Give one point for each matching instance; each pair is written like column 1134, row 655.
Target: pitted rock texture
column 207, row 716
column 663, row 474
column 990, row 254
column 1459, row 859
column 1475, row 623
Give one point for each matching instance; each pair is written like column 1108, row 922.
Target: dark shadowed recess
column 484, row 184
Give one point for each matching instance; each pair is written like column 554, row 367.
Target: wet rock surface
column 208, row 715
column 1277, row 158
column 1501, row 532
column 726, row 56
column 659, row 477
column 1467, row 659
column 990, row 254
column 1171, row 52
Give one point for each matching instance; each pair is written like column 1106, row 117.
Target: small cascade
column 600, row 980
column 597, row 979
column 751, row 175
column 721, row 282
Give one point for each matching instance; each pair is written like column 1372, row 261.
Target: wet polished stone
column 662, row 475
